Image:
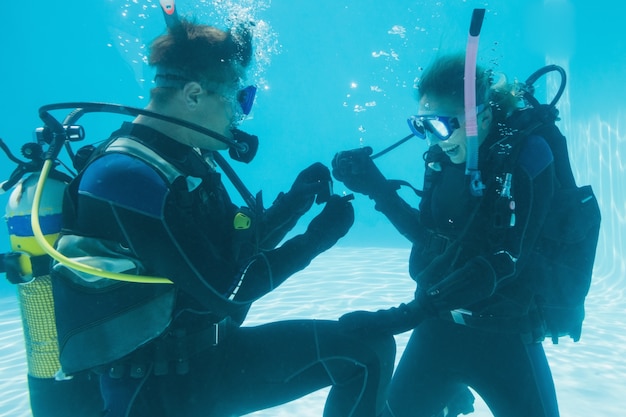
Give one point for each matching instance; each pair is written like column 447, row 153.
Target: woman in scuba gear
column 474, row 318
column 150, row 202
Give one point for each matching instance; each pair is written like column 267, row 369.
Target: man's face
column 216, row 112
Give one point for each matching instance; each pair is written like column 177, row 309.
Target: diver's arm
column 278, row 220
column 164, row 225
column 356, row 169
column 269, row 269
column 175, row 247
column 122, row 199
column 312, row 184
column 404, row 217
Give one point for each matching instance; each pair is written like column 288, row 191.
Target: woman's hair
column 202, row 53
column 445, row 78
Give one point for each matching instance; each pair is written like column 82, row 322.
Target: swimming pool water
column 336, row 75
column 589, row 375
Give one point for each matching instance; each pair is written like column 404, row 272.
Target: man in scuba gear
column 474, row 317
column 150, row 203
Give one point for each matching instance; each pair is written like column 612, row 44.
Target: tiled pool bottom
column 590, row 376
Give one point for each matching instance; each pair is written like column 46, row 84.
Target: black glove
column 332, row 223
column 473, row 282
column 394, row 320
column 358, row 172
column 438, row 267
column 311, row 182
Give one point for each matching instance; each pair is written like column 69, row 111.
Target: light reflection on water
column 589, row 375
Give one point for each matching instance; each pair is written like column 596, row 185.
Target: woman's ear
column 484, row 122
column 486, row 118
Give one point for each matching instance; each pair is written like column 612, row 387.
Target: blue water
column 334, row 75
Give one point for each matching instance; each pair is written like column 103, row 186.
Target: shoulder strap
column 540, row 120
column 135, row 148
column 558, row 144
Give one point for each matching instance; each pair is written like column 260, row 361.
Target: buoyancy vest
column 556, row 276
column 464, row 226
column 115, row 318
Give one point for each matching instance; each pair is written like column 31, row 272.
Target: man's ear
column 191, row 93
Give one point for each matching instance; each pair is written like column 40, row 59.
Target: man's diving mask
column 245, row 98
column 176, row 79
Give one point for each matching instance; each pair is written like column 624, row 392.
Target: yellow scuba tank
column 35, row 290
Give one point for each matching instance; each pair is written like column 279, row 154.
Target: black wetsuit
column 489, row 336
column 149, row 205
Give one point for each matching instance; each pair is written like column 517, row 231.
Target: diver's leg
column 79, row 396
column 428, row 375
column 376, row 354
column 279, row 362
column 517, row 381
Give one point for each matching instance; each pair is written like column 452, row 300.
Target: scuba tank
column 27, row 266
column 30, row 266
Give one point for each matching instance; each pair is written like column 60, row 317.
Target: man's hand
column 312, row 182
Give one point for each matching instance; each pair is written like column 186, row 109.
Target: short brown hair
column 202, row 53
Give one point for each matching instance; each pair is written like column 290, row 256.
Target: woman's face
column 456, row 145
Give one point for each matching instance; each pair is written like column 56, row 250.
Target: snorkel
column 471, row 125
column 170, row 13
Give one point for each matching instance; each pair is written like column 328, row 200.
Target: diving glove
column 394, row 320
column 332, row 223
column 473, row 282
column 356, row 169
column 312, row 184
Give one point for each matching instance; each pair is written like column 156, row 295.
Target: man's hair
column 202, row 53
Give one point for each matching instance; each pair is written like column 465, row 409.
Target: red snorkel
column 471, row 125
column 170, row 13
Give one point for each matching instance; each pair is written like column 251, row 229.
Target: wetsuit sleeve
column 312, row 184
column 506, row 249
column 404, row 217
column 123, row 199
column 278, row 220
column 269, row 269
column 175, row 233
